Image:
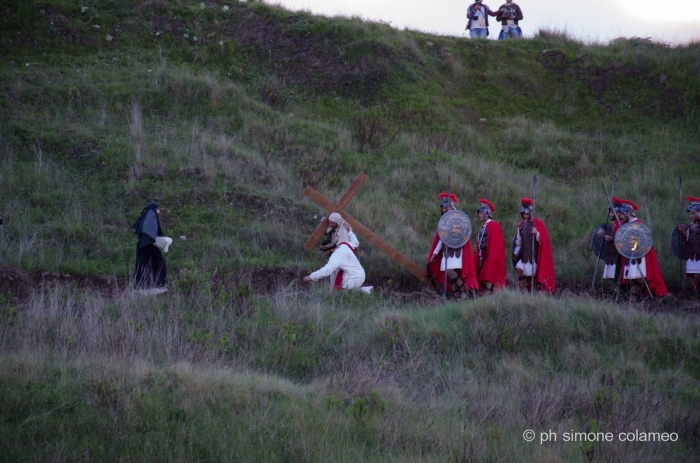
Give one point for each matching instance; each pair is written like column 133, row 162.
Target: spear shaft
column 680, row 220
column 445, row 253
column 607, row 217
column 534, row 200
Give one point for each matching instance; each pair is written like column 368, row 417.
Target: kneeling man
column 350, row 274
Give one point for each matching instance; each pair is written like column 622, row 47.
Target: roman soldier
column 490, row 252
column 692, row 239
column 458, row 263
column 635, row 271
column 611, row 254
column 533, row 233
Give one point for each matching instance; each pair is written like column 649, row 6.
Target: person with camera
column 478, row 19
column 509, row 14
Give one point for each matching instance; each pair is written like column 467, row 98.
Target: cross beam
column 365, row 232
column 344, row 201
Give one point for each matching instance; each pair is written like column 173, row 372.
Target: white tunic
column 452, row 262
column 691, row 265
column 355, row 243
column 609, row 271
column 343, row 259
column 634, row 271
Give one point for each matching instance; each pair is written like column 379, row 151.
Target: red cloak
column 654, row 278
column 493, row 269
column 468, row 272
column 544, row 274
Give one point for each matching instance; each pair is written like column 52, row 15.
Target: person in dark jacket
column 509, row 14
column 478, row 16
column 150, row 271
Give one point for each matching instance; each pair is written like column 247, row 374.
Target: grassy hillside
column 344, row 378
column 223, row 116
column 223, row 112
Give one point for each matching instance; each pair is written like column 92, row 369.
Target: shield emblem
column 678, row 243
column 633, row 240
column 598, row 241
column 454, row 229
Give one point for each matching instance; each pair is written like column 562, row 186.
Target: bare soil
column 265, row 280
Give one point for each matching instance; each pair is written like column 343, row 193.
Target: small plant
column 273, row 92
column 364, row 408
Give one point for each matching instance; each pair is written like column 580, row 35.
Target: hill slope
column 223, row 115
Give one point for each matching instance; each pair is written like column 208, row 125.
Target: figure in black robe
column 150, row 271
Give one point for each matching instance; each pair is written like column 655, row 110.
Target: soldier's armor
column 526, row 246
column 610, row 250
column 694, row 241
column 453, row 252
column 481, row 238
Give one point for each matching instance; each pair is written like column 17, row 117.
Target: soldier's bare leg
column 456, row 282
column 636, row 290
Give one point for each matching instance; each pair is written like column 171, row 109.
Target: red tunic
column 493, row 269
column 654, row 278
column 468, row 272
column 544, row 274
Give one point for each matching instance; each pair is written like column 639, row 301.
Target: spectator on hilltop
column 478, row 16
column 509, row 14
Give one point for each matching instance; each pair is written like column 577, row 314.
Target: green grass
column 345, row 377
column 107, row 126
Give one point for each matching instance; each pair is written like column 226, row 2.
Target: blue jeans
column 510, row 33
column 478, row 33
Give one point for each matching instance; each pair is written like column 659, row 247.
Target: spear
column 600, row 250
column 444, row 246
column 680, row 220
column 534, row 199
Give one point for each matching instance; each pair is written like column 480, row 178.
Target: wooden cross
column 365, row 232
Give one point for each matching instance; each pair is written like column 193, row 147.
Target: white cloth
column 526, row 268
column 692, row 266
column 452, row 262
column 352, row 240
column 343, row 259
column 354, row 243
column 163, row 243
column 633, row 271
column 609, row 271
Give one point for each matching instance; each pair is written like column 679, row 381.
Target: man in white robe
column 337, row 226
column 343, row 267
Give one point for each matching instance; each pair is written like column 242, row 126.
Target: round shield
column 633, row 240
column 598, row 241
column 454, row 229
column 678, row 243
